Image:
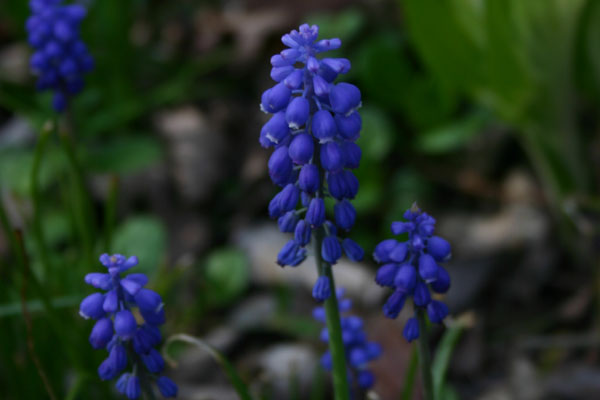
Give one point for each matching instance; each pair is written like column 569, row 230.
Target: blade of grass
column 240, row 387
column 442, row 358
column 410, row 376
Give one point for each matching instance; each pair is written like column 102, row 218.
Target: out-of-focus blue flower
column 359, row 351
column 61, row 58
column 412, row 269
column 117, row 329
column 313, row 128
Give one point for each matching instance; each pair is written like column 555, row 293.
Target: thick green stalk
column 425, row 356
column 334, row 328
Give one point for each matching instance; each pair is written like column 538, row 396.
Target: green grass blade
column 240, row 387
column 442, row 358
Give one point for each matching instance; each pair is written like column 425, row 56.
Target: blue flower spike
column 359, row 351
column 313, row 129
column 125, row 338
column 412, row 269
column 60, row 58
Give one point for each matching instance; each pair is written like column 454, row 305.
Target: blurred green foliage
column 435, row 75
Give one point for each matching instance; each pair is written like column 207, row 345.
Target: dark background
column 484, row 112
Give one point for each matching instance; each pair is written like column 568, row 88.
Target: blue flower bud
column 394, row 304
column 344, row 97
column 275, row 210
column 321, row 86
column 398, row 253
column 111, row 302
column 131, row 285
column 312, row 64
column 280, row 73
column 351, row 183
column 148, row 300
column 437, row 311
column 339, row 65
column 439, row 248
column 349, row 126
column 153, row 361
column 294, row 80
column 411, row 329
column 98, row 280
column 442, row 283
column 287, row 222
column 358, row 357
column 352, row 154
column 302, row 233
column 91, row 306
column 365, row 379
column 332, row 158
column 142, row 341
column 121, row 384
column 133, row 388
column 337, row 185
column 114, row 363
column 353, row 251
column 276, row 129
column 328, row 44
column 154, row 318
column 331, row 228
column 309, row 180
column 315, row 215
column 296, row 113
column 289, row 197
column 345, row 214
column 421, row 296
column 102, row 333
column 280, row 166
column 428, row 269
column 331, row 251
column 125, row 324
column 406, row 278
column 302, row 148
column 291, row 55
column 305, row 199
column 322, row 289
column 59, row 102
column 386, row 274
column 383, row 250
column 402, row 227
column 291, row 254
column 276, row 98
column 323, row 126
column 167, row 387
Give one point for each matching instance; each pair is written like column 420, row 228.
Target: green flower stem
column 111, row 211
column 334, row 328
column 425, row 356
column 82, row 202
column 38, row 232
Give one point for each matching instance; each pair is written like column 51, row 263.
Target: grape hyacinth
column 313, row 129
column 411, row 268
column 61, row 57
column 117, row 330
column 359, row 351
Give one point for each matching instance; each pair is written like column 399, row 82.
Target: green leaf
column 442, row 358
column 377, row 135
column 125, row 154
column 144, row 237
column 452, row 136
column 227, row 275
column 238, row 384
column 384, row 71
column 411, row 375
